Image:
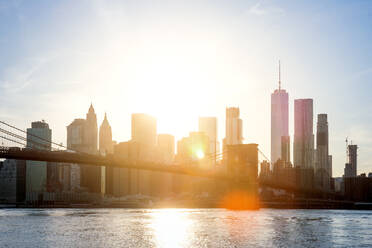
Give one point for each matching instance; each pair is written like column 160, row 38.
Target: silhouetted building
column 286, row 149
column 279, row 120
column 303, row 145
column 125, row 180
column 106, row 147
column 194, row 148
column 76, row 142
column 330, row 166
column 76, row 136
column 304, row 178
column 283, row 173
column 234, row 127
column 133, row 181
column 93, row 177
column 322, row 167
column 358, row 188
column 352, row 152
column 161, row 182
column 82, row 136
column 166, row 146
column 39, row 137
column 105, row 137
column 54, row 177
column 12, row 181
column 348, row 170
column 265, row 171
column 143, row 147
column 351, row 167
column 91, row 131
column 208, row 125
column 338, row 184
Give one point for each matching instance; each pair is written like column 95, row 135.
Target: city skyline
column 34, row 87
column 185, row 123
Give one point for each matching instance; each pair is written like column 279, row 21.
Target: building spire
column 91, row 109
column 279, row 77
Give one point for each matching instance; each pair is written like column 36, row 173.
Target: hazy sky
column 178, row 60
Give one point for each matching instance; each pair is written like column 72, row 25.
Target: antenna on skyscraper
column 279, row 76
column 347, row 150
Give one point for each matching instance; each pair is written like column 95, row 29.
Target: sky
column 178, row 60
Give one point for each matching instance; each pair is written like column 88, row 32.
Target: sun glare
column 171, row 227
column 167, row 83
column 199, row 154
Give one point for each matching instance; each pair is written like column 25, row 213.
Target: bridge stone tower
column 242, row 163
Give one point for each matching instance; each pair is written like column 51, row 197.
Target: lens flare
column 240, row 200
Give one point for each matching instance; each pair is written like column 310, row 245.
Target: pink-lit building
column 303, row 144
column 279, row 122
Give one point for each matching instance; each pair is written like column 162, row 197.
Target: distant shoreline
column 300, row 204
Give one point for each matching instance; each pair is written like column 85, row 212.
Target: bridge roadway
column 112, row 161
column 109, row 161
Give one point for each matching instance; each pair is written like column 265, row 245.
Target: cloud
column 19, row 77
column 258, row 9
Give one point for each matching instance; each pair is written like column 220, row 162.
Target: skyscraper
column 322, row 176
column 75, row 141
column 75, row 136
column 330, row 166
column 352, row 154
column 303, row 145
column 105, row 137
column 166, row 148
column 286, row 150
column 144, row 136
column 208, row 125
column 279, row 120
column 265, row 169
column 82, row 135
column 91, row 130
column 39, row 137
column 92, row 176
column 106, row 147
column 234, row 126
column 193, row 148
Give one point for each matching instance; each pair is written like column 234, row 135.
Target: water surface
column 184, row 228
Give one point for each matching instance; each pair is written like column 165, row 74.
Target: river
column 184, row 228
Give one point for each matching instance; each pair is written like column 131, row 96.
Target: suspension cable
column 18, row 129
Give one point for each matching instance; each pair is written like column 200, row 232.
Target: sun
column 199, row 154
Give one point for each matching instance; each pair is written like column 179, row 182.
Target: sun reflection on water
column 171, row 227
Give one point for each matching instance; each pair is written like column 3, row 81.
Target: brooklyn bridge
column 245, row 179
